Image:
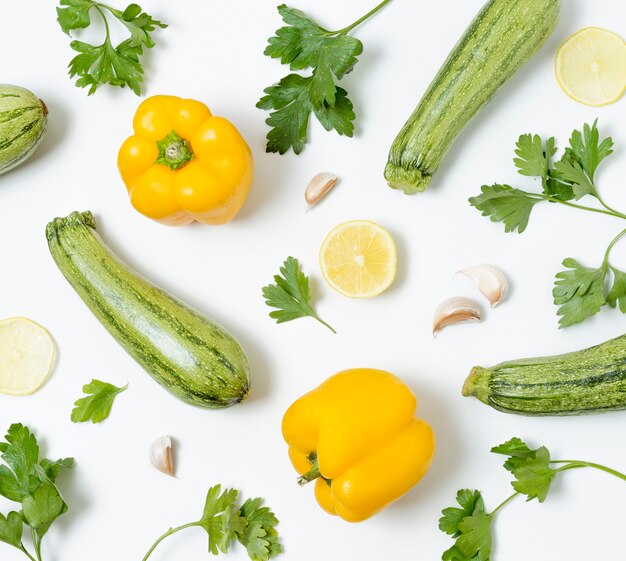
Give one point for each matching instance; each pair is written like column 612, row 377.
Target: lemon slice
column 26, row 356
column 591, row 66
column 358, row 259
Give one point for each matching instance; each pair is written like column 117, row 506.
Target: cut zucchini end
column 477, row 384
column 410, row 181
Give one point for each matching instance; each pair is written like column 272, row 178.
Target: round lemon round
column 591, row 66
column 26, row 356
column 358, row 259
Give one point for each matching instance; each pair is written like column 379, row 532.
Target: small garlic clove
column 161, row 455
column 319, row 187
column 455, row 310
column 490, row 280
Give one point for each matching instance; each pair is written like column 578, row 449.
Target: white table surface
column 213, row 51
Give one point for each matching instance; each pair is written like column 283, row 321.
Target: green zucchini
column 501, row 39
column 191, row 356
column 588, row 381
column 23, row 122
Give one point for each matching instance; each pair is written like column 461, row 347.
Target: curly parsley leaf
column 291, row 295
column 96, row 407
column 119, row 65
column 503, row 203
column 303, row 44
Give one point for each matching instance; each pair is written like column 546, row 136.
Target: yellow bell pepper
column 183, row 164
column 358, row 437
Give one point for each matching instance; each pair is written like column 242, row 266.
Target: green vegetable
column 29, row 481
column 588, row 381
column 23, row 122
column 291, row 294
column 251, row 524
column 330, row 55
column 579, row 291
column 533, row 470
column 96, row 65
column 96, row 407
column 501, row 39
column 192, row 357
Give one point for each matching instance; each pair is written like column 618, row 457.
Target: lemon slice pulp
column 26, row 356
column 358, row 259
column 591, row 66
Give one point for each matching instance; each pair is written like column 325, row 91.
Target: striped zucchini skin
column 501, row 39
column 191, row 356
column 23, row 122
column 588, row 381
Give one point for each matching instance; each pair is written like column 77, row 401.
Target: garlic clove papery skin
column 455, row 310
column 161, row 455
column 319, row 187
column 490, row 280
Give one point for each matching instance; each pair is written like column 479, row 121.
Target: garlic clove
column 490, row 280
column 161, row 455
column 455, row 310
column 319, row 187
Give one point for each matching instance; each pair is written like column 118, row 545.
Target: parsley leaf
column 533, row 159
column 259, row 537
column 96, row 407
column 502, row 203
column 27, row 480
column 303, row 44
column 470, row 525
column 291, row 295
column 579, row 291
column 253, row 525
column 588, row 150
column 617, row 294
column 11, row 529
column 119, row 65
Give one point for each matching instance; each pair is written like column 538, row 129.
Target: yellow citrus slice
column 358, row 259
column 26, row 356
column 591, row 66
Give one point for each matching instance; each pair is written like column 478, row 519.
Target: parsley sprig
column 291, row 295
column 96, row 405
column 253, row 525
column 304, row 44
column 30, row 482
column 471, row 526
column 96, row 65
column 579, row 291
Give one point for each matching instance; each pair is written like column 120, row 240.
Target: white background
column 213, row 51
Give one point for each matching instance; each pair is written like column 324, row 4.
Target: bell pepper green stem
column 174, row 151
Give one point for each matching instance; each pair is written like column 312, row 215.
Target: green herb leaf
column 588, row 150
column 259, row 537
column 617, row 294
column 52, row 469
column 42, row 508
column 579, row 291
column 96, row 407
column 475, row 539
column 470, row 501
column 96, row 65
column 502, row 203
column 304, row 44
column 533, row 159
column 534, row 475
column 569, row 170
column 291, row 294
column 221, row 518
column 11, row 529
column 517, row 450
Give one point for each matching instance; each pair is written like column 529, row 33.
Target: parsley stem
column 23, row 549
column 572, row 464
column 106, row 23
column 503, row 503
column 324, row 323
column 167, row 535
column 601, row 200
column 37, row 543
column 358, row 22
column 608, row 211
column 611, row 245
